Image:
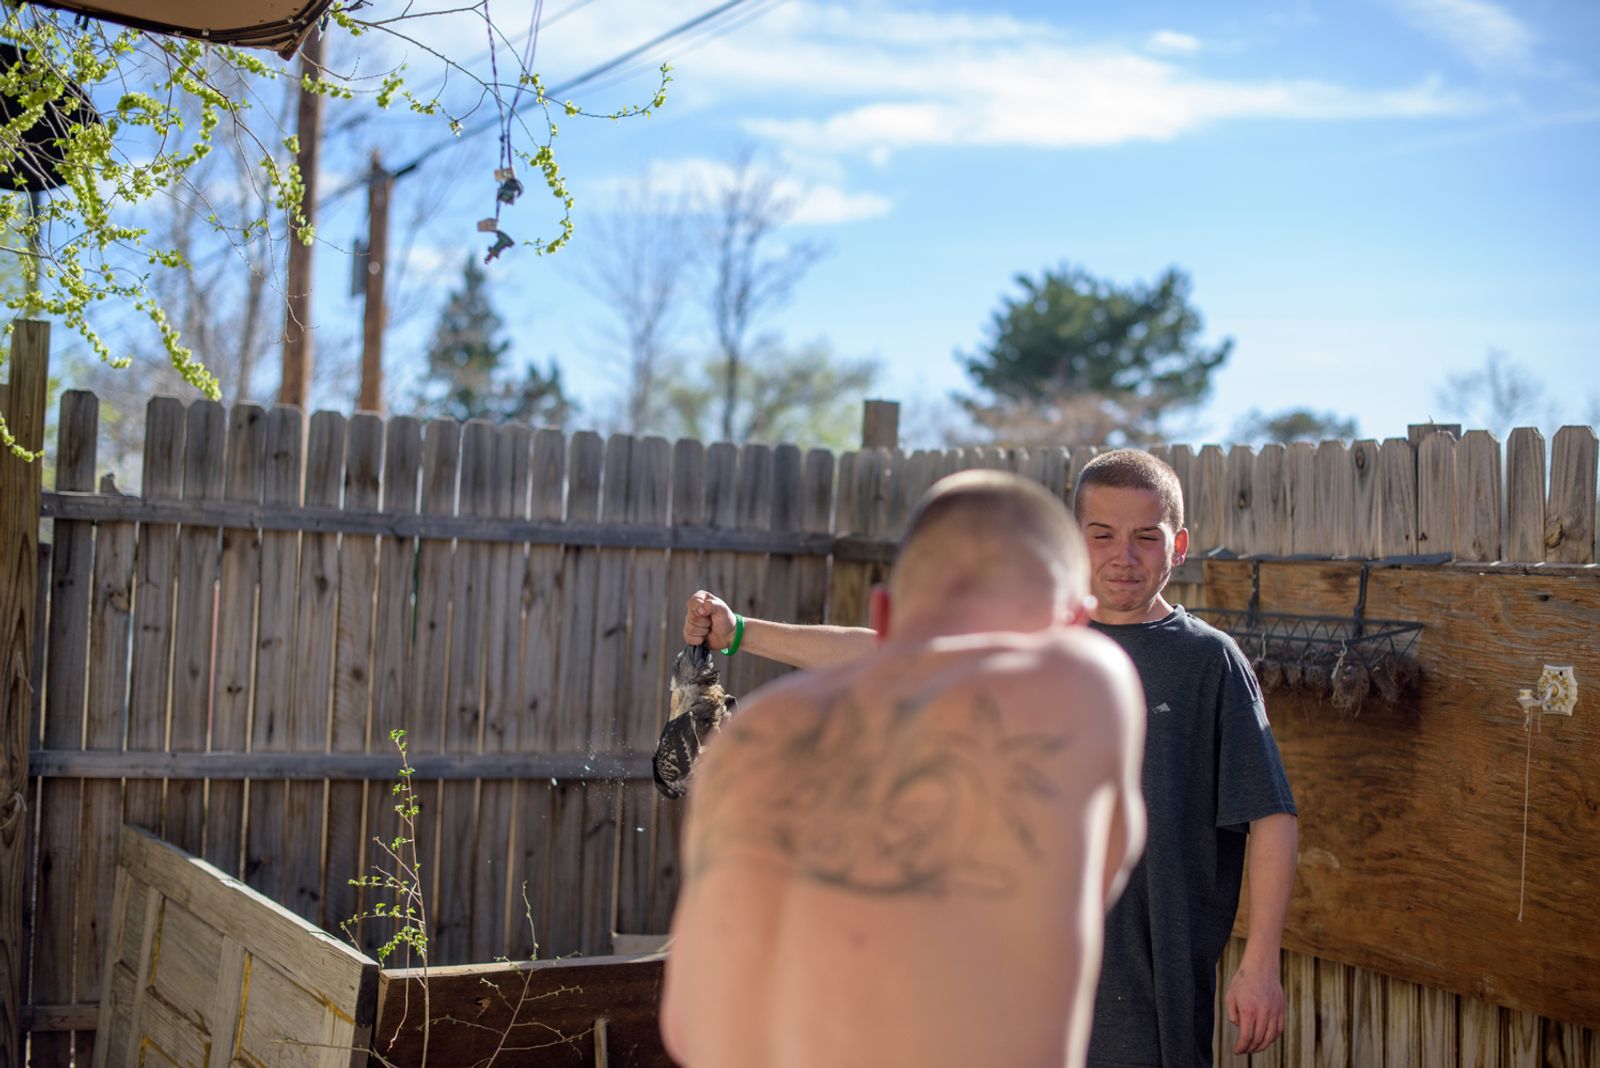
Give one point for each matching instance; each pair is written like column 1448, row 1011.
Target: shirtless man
column 908, row 859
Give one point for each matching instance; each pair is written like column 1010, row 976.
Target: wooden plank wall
column 166, row 638
column 1403, row 875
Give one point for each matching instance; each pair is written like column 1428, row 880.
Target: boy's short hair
column 1132, row 469
column 1004, row 520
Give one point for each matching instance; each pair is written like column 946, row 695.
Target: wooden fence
column 225, row 654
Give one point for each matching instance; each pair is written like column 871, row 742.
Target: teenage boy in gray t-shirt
column 1215, row 791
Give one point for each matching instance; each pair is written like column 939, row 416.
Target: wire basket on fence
column 1349, row 662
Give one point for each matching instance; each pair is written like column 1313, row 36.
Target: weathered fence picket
column 1238, row 527
column 316, row 614
column 205, row 432
column 847, row 581
column 239, row 573
column 110, row 633
column 1397, row 464
column 352, row 668
column 152, row 606
column 496, row 910
column 265, row 844
column 686, row 573
column 1367, row 503
column 1300, row 470
column 1336, row 499
column 1401, row 1022
column 1367, row 1002
column 607, row 662
column 643, row 700
column 1525, row 481
column 59, row 887
column 752, row 510
column 1436, row 1036
column 1436, row 493
column 545, row 644
column 780, row 591
column 1271, row 509
column 392, row 626
column 573, row 841
column 1570, row 512
column 1478, row 497
column 457, row 813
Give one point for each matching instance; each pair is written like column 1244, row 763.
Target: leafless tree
column 1498, row 396
column 752, row 273
column 222, row 305
column 806, row 395
column 639, row 263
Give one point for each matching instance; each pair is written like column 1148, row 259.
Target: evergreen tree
column 1072, row 350
column 467, row 361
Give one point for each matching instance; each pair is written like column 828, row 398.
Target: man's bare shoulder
column 1048, row 676
column 1071, row 675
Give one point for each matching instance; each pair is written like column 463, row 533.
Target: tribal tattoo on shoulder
column 881, row 804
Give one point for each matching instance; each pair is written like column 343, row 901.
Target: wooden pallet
column 203, row 970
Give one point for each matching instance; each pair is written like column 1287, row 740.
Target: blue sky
column 1369, row 195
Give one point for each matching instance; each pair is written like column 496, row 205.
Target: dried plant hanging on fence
column 1348, row 661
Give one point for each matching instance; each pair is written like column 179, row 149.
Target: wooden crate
column 203, row 970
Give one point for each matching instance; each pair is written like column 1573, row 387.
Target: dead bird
column 699, row 707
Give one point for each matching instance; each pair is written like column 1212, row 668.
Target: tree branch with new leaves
column 112, row 119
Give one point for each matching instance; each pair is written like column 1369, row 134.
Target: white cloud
column 878, row 76
column 814, row 197
column 822, row 205
column 1099, row 101
column 1171, row 42
column 1487, row 34
column 441, row 260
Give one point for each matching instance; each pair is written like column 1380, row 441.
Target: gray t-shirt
column 1210, row 767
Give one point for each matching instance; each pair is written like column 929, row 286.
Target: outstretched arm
column 1255, row 994
column 708, row 619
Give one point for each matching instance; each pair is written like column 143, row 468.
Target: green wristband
column 738, row 635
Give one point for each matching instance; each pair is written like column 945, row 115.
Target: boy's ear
column 1180, row 546
column 878, row 610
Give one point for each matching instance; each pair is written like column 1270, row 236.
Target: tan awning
column 276, row 24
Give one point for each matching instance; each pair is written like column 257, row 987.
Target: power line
column 566, row 87
column 732, row 25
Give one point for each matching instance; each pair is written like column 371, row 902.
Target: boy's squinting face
column 1132, row 550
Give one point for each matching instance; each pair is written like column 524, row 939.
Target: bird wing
column 674, row 758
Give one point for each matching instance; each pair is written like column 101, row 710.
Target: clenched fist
column 708, row 620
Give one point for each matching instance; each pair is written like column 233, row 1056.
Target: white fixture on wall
column 1556, row 693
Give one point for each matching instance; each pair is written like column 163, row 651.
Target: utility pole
column 297, row 342
column 379, row 182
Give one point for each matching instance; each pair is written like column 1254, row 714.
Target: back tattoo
column 896, row 803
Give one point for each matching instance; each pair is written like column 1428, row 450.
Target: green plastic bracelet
column 738, row 635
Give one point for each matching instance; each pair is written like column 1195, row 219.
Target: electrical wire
column 699, row 29
column 633, row 54
column 756, row 11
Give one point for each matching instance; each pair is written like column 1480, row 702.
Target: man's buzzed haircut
column 1015, row 516
column 1133, row 469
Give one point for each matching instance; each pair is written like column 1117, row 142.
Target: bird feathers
column 699, row 707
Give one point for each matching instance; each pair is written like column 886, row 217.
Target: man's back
column 907, row 860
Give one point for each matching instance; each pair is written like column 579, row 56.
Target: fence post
column 880, row 425
column 19, row 554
